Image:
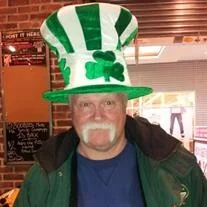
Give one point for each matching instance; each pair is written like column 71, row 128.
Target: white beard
column 93, row 126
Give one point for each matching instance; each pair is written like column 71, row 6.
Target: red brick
column 58, row 77
column 26, row 25
column 13, row 177
column 51, row 7
column 3, row 19
column 40, row 1
column 22, row 168
column 53, row 60
column 69, row 2
column 28, row 9
column 36, row 24
column 8, row 10
column 1, row 133
column 18, row 17
column 6, row 185
column 60, row 115
column 58, row 130
column 55, row 69
column 39, row 16
column 60, row 107
column 17, row 2
column 58, row 85
column 6, row 169
column 53, row 57
column 3, row 3
column 63, row 123
column 8, row 26
column 17, row 184
column 1, row 163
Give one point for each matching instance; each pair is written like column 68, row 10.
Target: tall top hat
column 88, row 40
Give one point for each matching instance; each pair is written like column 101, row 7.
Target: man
column 176, row 113
column 107, row 159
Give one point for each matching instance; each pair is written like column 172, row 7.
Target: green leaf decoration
column 65, row 70
column 104, row 67
column 94, row 70
column 104, row 56
column 117, row 71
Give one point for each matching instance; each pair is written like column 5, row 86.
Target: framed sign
column 23, row 139
column 23, row 48
column 200, row 151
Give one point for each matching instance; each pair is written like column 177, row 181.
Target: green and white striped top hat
column 88, row 40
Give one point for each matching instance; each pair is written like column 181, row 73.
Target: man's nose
column 98, row 112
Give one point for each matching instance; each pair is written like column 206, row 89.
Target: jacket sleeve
column 33, row 191
column 192, row 177
column 199, row 187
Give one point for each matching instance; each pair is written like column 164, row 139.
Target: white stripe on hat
column 108, row 30
column 52, row 40
column 68, row 18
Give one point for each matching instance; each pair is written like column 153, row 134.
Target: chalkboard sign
column 23, row 139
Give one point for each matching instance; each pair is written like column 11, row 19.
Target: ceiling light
column 11, row 48
column 144, row 51
column 150, row 51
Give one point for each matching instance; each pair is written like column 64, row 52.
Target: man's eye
column 84, row 105
column 109, row 104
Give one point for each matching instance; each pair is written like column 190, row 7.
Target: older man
column 107, row 159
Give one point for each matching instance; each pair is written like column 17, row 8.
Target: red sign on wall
column 201, row 132
column 23, row 48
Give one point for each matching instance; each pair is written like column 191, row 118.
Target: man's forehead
column 96, row 95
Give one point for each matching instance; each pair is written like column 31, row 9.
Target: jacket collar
column 151, row 139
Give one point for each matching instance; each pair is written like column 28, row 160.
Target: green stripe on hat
column 57, row 29
column 123, row 20
column 90, row 21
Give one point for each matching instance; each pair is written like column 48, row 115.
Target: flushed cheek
column 78, row 119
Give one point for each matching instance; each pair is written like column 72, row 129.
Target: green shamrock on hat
column 104, row 67
column 65, row 70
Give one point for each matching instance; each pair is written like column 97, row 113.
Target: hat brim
column 61, row 96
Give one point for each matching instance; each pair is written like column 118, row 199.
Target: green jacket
column 170, row 175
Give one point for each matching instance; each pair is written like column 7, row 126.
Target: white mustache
column 94, row 126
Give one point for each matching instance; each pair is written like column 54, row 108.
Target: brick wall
column 29, row 14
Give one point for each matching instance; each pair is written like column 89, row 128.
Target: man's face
column 99, row 119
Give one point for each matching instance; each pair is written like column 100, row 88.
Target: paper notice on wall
column 23, row 48
column 200, row 151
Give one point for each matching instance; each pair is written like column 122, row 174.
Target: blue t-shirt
column 110, row 183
